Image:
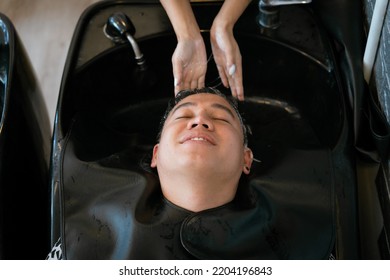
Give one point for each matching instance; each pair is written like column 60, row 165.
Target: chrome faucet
column 269, row 11
column 118, row 27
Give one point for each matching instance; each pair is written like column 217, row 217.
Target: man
column 200, row 156
column 201, row 205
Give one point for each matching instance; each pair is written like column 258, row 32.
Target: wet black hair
column 208, row 90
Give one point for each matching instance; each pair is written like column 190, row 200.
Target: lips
column 198, row 138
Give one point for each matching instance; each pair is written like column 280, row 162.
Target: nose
column 201, row 122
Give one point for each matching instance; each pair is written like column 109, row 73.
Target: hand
column 189, row 63
column 227, row 57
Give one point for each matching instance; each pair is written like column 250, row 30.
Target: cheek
column 163, row 149
column 236, row 145
column 166, row 149
column 236, row 152
column 235, row 137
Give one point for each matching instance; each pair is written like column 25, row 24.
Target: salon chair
column 24, row 154
column 298, row 108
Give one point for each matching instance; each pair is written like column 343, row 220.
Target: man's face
column 202, row 132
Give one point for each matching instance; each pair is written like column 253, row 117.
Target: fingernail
column 176, row 82
column 232, row 70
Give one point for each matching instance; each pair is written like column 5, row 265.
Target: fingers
column 189, row 84
column 232, row 70
column 188, row 78
column 228, row 59
column 223, row 76
column 201, row 81
column 235, row 81
column 177, row 74
column 189, row 63
column 231, row 77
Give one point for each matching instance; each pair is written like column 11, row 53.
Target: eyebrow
column 214, row 105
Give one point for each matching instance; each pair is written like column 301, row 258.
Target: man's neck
column 198, row 192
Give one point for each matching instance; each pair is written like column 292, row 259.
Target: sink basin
column 24, row 153
column 291, row 98
column 294, row 107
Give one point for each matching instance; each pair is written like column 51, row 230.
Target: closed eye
column 222, row 120
column 182, row 117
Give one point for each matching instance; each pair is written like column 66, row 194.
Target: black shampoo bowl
column 109, row 110
column 24, row 154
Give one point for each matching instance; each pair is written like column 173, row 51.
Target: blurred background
column 46, row 28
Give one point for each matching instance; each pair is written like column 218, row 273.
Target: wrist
column 222, row 24
column 221, row 27
column 188, row 32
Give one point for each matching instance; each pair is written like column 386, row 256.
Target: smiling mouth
column 198, row 139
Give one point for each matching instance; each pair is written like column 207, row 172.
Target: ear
column 248, row 159
column 153, row 164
